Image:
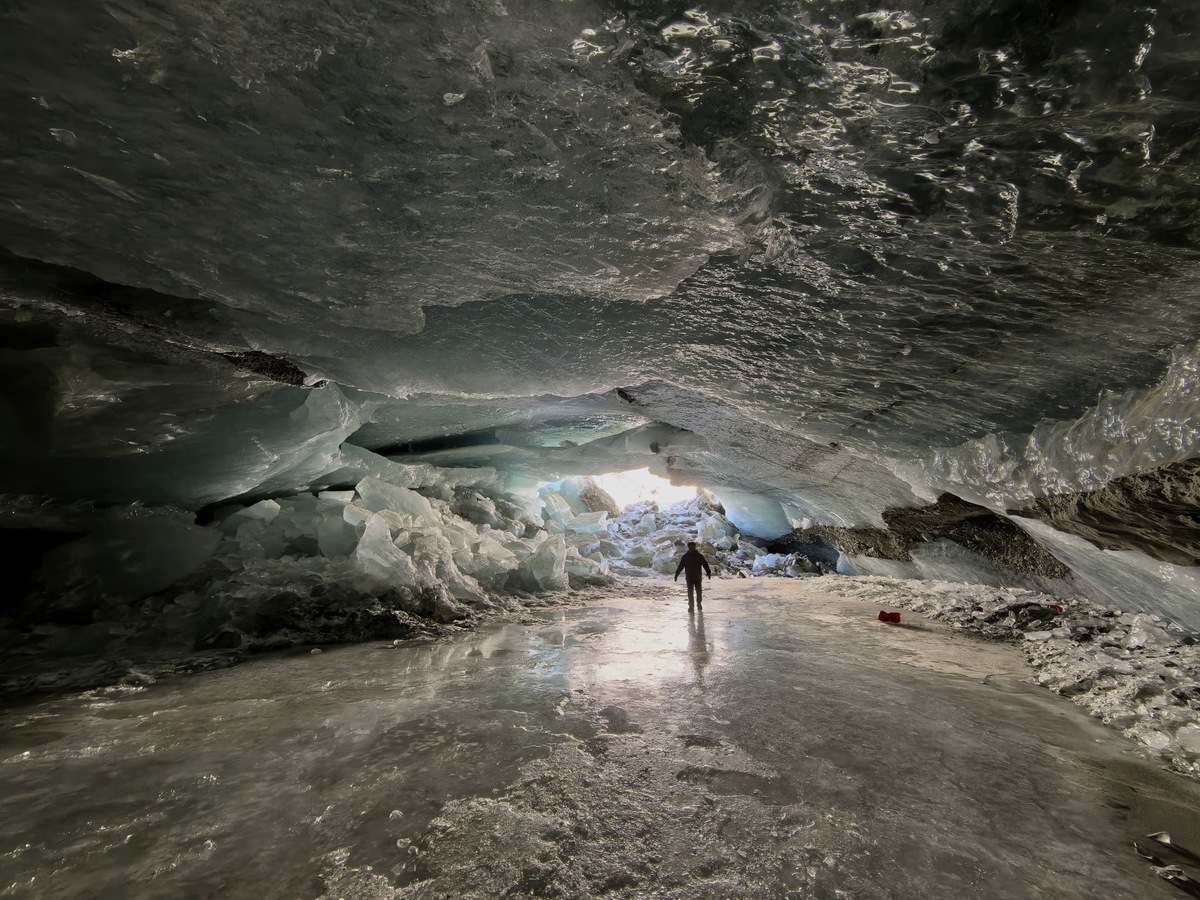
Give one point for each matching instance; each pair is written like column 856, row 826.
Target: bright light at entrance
column 638, row 485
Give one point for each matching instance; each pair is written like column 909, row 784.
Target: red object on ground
column 893, row 617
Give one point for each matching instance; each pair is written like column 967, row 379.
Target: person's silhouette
column 692, row 563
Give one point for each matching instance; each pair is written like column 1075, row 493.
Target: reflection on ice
column 699, row 648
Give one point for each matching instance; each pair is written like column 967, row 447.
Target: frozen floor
column 776, row 745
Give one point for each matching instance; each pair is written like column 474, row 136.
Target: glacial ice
column 440, row 545
column 878, row 280
column 754, row 513
column 945, row 561
column 1127, row 579
column 1135, row 672
column 377, row 555
column 409, row 544
column 411, row 548
column 380, row 496
column 589, row 523
column 276, row 441
column 1123, row 433
column 545, row 568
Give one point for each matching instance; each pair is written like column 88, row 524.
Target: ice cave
column 369, row 366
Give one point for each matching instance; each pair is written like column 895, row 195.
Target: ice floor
column 775, row 745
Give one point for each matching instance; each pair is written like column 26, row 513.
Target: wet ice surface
column 778, row 744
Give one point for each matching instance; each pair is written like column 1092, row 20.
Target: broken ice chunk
column 769, row 563
column 1188, row 738
column 377, row 496
column 589, row 523
column 264, row 511
column 491, row 560
column 555, row 506
column 710, row 529
column 377, row 555
column 637, row 555
column 581, row 570
column 336, row 537
column 666, row 561
column 355, row 515
column 1143, row 632
column 546, row 568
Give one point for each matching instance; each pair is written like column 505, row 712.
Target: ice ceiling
column 823, row 258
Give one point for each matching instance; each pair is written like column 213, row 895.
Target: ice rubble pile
column 1133, row 671
column 461, row 541
column 437, row 547
column 644, row 540
column 408, row 549
column 445, row 544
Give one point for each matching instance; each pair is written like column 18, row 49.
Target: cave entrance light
column 638, row 485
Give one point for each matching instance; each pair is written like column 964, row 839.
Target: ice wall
column 278, row 439
column 1127, row 579
column 1123, row 433
column 945, row 561
column 755, row 514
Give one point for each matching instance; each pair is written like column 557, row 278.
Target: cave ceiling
column 856, row 257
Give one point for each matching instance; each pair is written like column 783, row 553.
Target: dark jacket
column 692, row 562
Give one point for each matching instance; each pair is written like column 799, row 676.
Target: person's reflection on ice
column 697, row 644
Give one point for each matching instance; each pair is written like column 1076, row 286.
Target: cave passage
column 320, row 321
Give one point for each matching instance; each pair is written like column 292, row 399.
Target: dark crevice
column 435, row 444
column 274, row 367
column 31, row 277
column 21, row 552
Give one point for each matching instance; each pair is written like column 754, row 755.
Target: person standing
column 691, row 563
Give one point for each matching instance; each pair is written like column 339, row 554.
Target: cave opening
column 642, row 486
